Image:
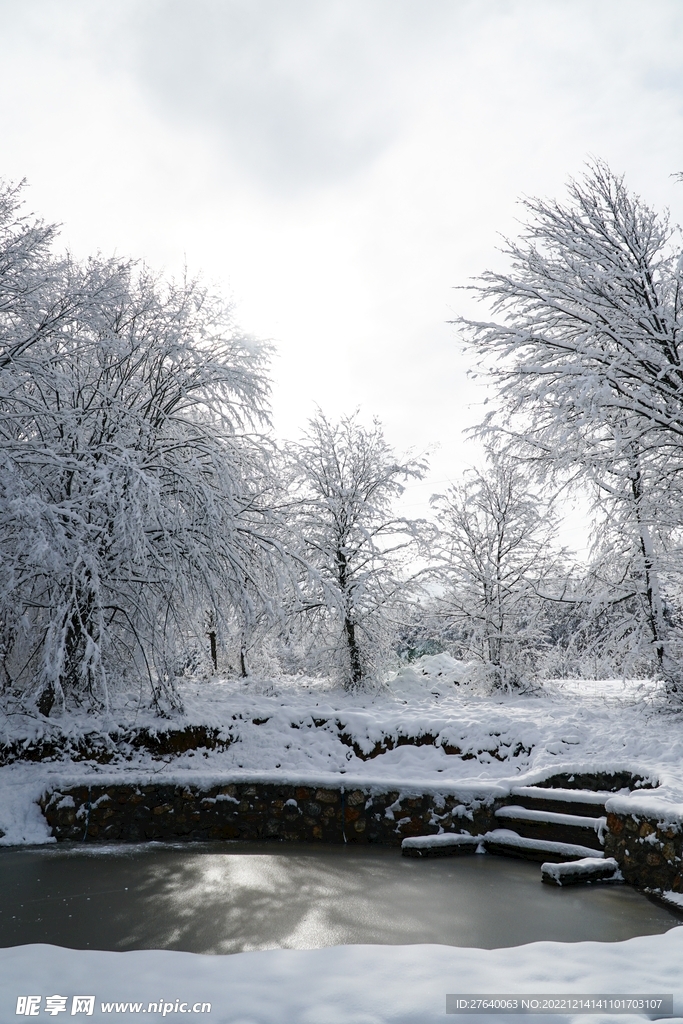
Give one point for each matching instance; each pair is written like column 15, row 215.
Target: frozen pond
column 229, row 897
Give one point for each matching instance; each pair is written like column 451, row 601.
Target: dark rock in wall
column 610, row 782
column 649, row 851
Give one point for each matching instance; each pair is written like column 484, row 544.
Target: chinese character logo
column 28, row 1006
column 55, row 1005
column 83, row 1004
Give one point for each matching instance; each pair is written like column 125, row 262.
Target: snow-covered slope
column 428, row 728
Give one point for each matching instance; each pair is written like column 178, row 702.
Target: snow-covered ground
column 303, row 729
column 306, row 729
column 342, row 984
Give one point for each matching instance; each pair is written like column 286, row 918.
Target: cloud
column 299, row 94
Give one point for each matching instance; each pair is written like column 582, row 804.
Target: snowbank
column 343, row 984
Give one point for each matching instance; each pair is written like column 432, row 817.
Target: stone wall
column 115, row 745
column 649, row 852
column 130, row 813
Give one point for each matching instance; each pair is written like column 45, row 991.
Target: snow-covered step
column 448, row 844
column 551, row 817
column 584, row 802
column 510, row 844
column 553, row 825
column 578, row 872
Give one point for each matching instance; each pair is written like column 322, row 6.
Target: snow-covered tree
column 346, row 480
column 498, row 569
column 33, row 302
column 134, row 485
column 585, row 350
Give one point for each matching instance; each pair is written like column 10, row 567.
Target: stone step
column 507, row 843
column 580, row 872
column 448, row 844
column 673, row 901
column 584, row 802
column 552, row 825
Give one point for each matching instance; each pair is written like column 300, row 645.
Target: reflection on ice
column 223, row 898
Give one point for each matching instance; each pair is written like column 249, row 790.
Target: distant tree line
column 150, row 526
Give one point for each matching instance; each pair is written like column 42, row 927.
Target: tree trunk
column 80, row 630
column 46, row 700
column 355, row 662
column 653, row 597
column 354, row 652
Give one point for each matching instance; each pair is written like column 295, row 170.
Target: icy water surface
column 229, row 897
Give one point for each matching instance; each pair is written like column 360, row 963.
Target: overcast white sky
column 337, row 166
